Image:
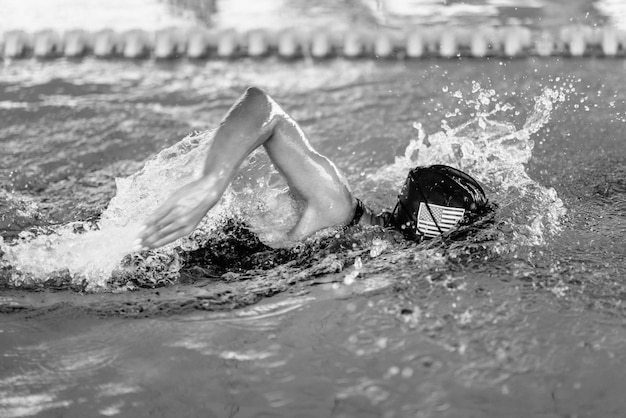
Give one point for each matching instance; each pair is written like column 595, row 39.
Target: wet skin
column 255, row 120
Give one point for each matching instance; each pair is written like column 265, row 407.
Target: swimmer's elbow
column 258, row 101
column 256, row 93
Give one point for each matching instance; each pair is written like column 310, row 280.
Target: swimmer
column 433, row 200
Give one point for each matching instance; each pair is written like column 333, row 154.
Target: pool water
column 520, row 316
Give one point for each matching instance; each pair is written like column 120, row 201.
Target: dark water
column 475, row 327
column 523, row 316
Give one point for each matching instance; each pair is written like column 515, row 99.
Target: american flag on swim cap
column 444, row 216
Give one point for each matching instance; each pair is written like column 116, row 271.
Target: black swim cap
column 434, row 200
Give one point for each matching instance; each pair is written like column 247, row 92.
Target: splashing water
column 494, row 152
column 90, row 253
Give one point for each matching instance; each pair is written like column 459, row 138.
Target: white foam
column 94, row 254
column 495, row 153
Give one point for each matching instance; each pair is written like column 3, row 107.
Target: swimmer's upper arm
column 312, row 177
column 255, row 120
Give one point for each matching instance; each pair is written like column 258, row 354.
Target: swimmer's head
column 434, row 200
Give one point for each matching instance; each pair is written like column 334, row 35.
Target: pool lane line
column 511, row 41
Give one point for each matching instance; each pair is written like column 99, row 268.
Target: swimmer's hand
column 180, row 214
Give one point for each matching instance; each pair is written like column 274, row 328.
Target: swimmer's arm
column 255, row 120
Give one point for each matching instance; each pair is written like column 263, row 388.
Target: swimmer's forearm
column 255, row 120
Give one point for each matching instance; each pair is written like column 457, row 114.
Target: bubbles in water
column 89, row 257
column 456, row 112
column 378, row 246
column 350, row 278
column 493, row 151
column 358, row 263
column 108, row 250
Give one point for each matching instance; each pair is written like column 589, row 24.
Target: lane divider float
column 421, row 42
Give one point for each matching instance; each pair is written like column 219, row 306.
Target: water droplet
column 350, row 278
column 382, row 342
column 378, row 246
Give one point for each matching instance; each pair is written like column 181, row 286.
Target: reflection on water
column 541, row 13
column 615, row 10
column 32, row 15
column 202, row 10
column 277, row 14
column 494, row 152
column 439, row 330
column 120, row 15
column 481, row 347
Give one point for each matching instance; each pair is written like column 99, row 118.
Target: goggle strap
column 396, row 209
column 393, row 214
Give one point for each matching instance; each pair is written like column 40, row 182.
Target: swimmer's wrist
column 213, row 183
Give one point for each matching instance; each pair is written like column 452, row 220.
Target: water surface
column 521, row 317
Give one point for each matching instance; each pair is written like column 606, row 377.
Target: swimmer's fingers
column 160, row 218
column 164, row 237
column 153, row 224
column 167, row 229
column 179, row 214
column 175, row 220
column 160, row 237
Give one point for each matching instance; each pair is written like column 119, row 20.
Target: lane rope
column 415, row 43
